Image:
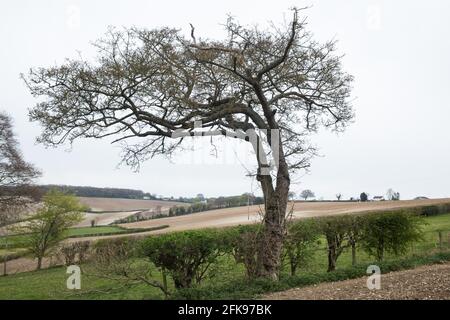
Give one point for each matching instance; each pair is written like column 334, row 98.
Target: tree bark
column 39, row 263
column 271, row 237
column 353, row 254
column 332, row 253
column 331, row 260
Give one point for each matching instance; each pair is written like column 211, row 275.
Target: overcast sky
column 398, row 52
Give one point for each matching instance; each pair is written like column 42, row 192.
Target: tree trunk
column 332, row 252
column 331, row 259
column 293, row 269
column 271, row 237
column 39, row 263
column 270, row 240
column 353, row 254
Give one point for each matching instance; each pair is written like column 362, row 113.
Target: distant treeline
column 82, row 191
column 198, row 203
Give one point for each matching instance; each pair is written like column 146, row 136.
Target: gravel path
column 423, row 283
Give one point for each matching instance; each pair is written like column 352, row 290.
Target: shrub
column 185, row 256
column 391, row 232
column 336, row 230
column 242, row 242
column 119, row 260
column 300, row 243
column 68, row 252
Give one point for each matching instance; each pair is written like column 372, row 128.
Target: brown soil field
column 104, row 219
column 251, row 214
column 112, row 209
column 423, row 283
column 116, row 204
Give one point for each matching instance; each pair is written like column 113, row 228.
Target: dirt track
column 423, row 283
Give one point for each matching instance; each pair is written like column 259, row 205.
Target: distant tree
column 305, row 194
column 48, row 226
column 364, row 197
column 151, row 89
column 392, row 195
column 339, row 196
column 291, row 195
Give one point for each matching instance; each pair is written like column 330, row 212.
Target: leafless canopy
column 148, row 83
column 16, row 175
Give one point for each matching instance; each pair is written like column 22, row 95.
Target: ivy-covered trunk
column 271, row 236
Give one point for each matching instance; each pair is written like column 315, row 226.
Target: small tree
column 391, row 232
column 338, row 196
column 336, row 231
column 356, row 225
column 48, row 226
column 392, row 195
column 363, row 197
column 300, row 243
column 305, row 194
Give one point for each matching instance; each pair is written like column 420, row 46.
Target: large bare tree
column 16, row 175
column 150, row 89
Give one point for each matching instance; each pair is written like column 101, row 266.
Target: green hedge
column 124, row 231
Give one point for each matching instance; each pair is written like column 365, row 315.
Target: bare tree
column 338, row 196
column 16, row 179
column 270, row 87
column 16, row 175
column 305, row 194
column 392, row 195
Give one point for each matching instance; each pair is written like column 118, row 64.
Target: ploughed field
column 117, row 204
column 252, row 214
column 107, row 210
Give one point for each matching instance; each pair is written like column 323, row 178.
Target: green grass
column 20, row 240
column 227, row 279
column 51, row 284
column 87, row 231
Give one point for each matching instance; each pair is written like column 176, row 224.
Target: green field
column 88, row 231
column 227, row 279
column 16, row 241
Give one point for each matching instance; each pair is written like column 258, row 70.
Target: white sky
column 398, row 52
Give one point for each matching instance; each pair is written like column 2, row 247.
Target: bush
column 119, row 260
column 185, row 256
column 73, row 250
column 242, row 242
column 337, row 231
column 300, row 243
column 391, row 232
